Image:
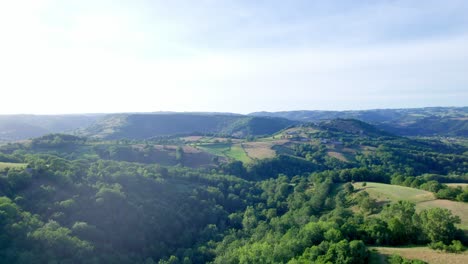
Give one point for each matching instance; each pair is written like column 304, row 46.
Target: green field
column 393, row 193
column 380, row 254
column 4, row 165
column 231, row 151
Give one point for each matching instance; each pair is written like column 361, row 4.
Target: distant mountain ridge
column 428, row 121
column 18, row 127
column 143, row 126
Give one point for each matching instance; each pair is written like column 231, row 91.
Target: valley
column 218, row 188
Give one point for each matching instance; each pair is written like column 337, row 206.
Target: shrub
column 455, row 247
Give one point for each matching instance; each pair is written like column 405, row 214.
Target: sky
column 100, row 56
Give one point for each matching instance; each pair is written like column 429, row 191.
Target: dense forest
column 300, row 193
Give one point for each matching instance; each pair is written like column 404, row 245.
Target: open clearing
column 392, row 193
column 337, row 155
column 4, row 165
column 422, row 253
column 463, row 185
column 261, row 150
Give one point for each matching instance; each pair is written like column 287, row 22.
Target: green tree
column 180, row 154
column 438, row 224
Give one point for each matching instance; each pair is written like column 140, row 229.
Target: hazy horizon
column 62, row 57
column 217, row 112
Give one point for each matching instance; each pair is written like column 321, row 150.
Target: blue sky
column 231, row 56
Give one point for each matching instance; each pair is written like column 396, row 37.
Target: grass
column 393, row 193
column 4, row 165
column 259, row 150
column 232, row 151
column 237, row 152
column 337, row 155
column 379, row 255
column 463, row 185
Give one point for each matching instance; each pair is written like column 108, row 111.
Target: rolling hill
column 144, row 126
column 431, row 121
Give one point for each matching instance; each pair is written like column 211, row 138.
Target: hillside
column 302, row 148
column 18, row 127
column 144, row 126
column 386, row 193
column 429, row 121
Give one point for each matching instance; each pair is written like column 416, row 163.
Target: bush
column 455, row 247
column 396, row 259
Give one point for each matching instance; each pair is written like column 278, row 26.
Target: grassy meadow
column 379, row 255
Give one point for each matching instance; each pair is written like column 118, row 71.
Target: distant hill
column 353, row 127
column 142, row 126
column 430, row 126
column 18, row 127
column 429, row 121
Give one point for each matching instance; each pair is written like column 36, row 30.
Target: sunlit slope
column 393, row 193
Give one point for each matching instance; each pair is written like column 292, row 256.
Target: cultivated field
column 232, row 151
column 261, row 150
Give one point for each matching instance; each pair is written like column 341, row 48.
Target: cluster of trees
column 426, row 182
column 304, row 220
column 57, row 141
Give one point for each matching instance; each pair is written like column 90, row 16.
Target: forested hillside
column 145, row 126
column 304, row 193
